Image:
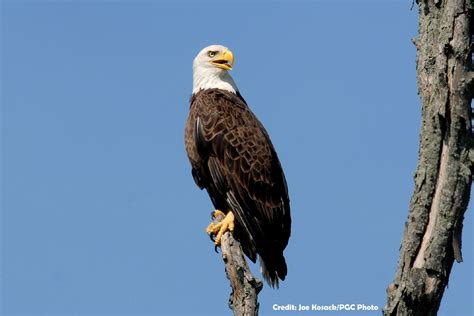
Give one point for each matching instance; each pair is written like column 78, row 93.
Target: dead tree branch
column 432, row 237
column 245, row 287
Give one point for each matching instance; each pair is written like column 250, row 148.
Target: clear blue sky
column 100, row 215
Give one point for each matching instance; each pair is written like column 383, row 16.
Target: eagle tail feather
column 273, row 268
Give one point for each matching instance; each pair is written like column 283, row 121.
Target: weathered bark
column 245, row 287
column 432, row 237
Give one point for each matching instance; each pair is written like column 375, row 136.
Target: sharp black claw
column 215, row 248
column 212, row 236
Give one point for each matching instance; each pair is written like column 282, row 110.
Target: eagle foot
column 216, row 230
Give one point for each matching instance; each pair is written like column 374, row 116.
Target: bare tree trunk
column 245, row 287
column 432, row 237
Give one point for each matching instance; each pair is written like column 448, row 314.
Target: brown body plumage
column 233, row 158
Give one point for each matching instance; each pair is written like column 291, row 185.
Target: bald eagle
column 233, row 158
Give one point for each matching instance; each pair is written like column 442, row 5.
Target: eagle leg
column 217, row 216
column 218, row 229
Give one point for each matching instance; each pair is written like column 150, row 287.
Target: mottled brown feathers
column 233, row 158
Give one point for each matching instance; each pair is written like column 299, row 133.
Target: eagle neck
column 220, row 80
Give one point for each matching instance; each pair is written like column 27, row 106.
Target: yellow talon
column 213, row 227
column 227, row 224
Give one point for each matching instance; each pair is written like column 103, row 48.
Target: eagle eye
column 211, row 53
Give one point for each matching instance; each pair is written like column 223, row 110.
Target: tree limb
column 245, row 287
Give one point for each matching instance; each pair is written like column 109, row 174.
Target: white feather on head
column 206, row 75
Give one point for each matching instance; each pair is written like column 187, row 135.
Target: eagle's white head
column 210, row 69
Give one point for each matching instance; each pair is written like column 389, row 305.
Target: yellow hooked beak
column 224, row 60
